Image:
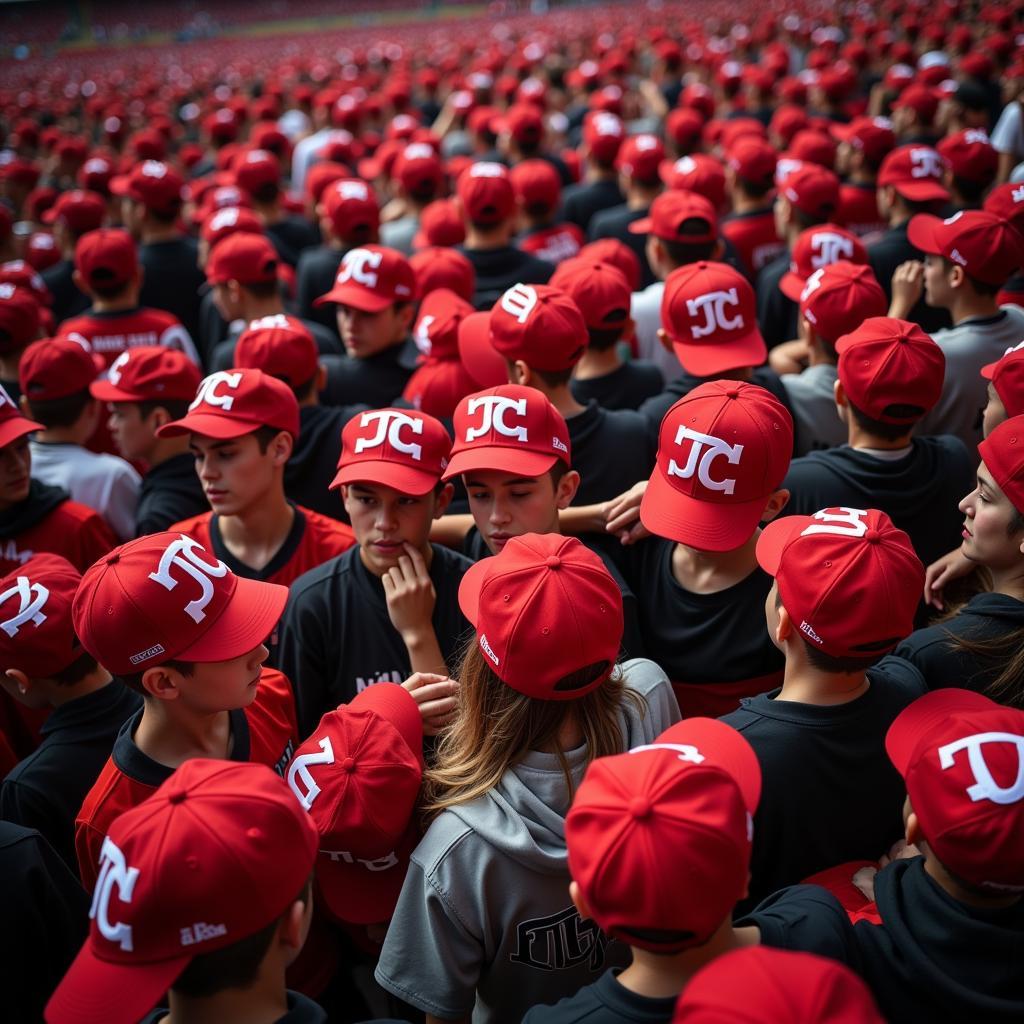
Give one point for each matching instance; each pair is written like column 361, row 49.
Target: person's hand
column 437, row 697
column 410, row 595
column 623, row 515
column 789, row 357
column 949, row 567
column 907, row 287
column 864, row 880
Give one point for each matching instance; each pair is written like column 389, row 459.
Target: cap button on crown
column 348, row 765
column 871, row 536
column 639, row 807
column 177, row 798
column 553, row 561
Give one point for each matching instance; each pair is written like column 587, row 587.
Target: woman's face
column 989, row 516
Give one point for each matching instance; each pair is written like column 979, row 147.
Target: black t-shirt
column 628, row 387
column 805, row 918
column 829, row 793
column 67, row 299
column 46, row 789
column 291, row 236
column 580, row 203
column 170, row 491
column 376, row 381
column 314, row 461
column 301, row 1010
column 498, row 269
column 173, row 279
column 47, row 915
column 919, row 492
column 335, row 637
column 614, row 223
column 701, row 640
column 884, row 256
column 314, row 277
column 611, row 450
column 213, row 328
column 605, row 1001
column 776, row 314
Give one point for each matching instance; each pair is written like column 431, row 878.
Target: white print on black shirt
column 560, row 941
column 378, row 677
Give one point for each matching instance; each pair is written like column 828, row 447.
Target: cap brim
column 988, row 371
column 469, row 590
column 921, row 191
column 403, row 479
column 481, row 360
column 643, row 226
column 49, row 216
column 223, row 428
column 726, row 747
column 106, row 392
column 356, row 297
column 920, row 717
column 704, row 525
column 708, row 360
column 95, row 990
column 121, row 185
column 791, row 285
column 247, row 620
column 922, row 232
column 15, row 428
column 501, row 459
column 774, row 539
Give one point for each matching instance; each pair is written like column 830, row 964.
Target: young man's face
column 937, row 289
column 133, row 435
column 995, row 411
column 235, row 474
column 988, row 517
column 507, row 505
column 15, row 472
column 366, row 334
column 223, row 685
column 385, row 520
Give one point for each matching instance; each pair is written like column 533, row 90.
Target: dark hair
column 168, row 216
column 683, row 253
column 267, row 192
column 488, row 225
column 133, row 680
column 59, row 412
column 108, row 291
column 264, row 435
column 234, row 966
column 982, row 288
column 918, row 205
column 304, row 390
column 755, row 189
column 176, row 408
column 529, row 147
column 553, row 378
column 261, row 289
column 557, row 472
column 888, row 431
column 806, row 220
column 972, row 191
column 76, row 671
column 603, row 338
column 848, row 663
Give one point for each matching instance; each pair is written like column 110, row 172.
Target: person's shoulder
column 332, row 575
column 450, row 559
column 898, row 678
column 117, row 467
column 448, row 837
column 159, row 319
column 947, row 448
column 644, row 676
column 194, row 526
column 807, row 918
column 74, row 514
column 330, row 531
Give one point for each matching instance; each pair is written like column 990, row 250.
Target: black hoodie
column 41, row 501
column 943, row 663
column 498, row 269
column 314, row 461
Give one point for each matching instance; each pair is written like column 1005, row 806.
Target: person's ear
column 776, row 503
column 955, row 276
column 719, row 250
column 16, row 680
column 158, row 416
column 842, row 402
column 520, row 373
column 784, row 630
column 79, row 282
column 443, row 500
column 576, row 895
column 912, row 829
column 321, row 377
column 567, row 488
column 666, row 340
column 24, row 407
column 281, row 448
column 405, row 314
column 292, row 930
column 162, row 682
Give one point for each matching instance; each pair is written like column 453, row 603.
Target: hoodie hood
column 41, row 501
column 1008, row 611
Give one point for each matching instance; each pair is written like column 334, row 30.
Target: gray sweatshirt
column 484, row 923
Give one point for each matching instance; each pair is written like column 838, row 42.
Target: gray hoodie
column 484, row 922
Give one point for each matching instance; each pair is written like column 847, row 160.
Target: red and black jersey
column 753, row 238
column 47, row 520
column 312, row 540
column 110, row 334
column 554, row 244
column 263, row 733
column 858, row 210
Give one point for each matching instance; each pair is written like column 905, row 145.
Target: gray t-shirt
column 484, row 923
column 812, row 398
column 645, row 310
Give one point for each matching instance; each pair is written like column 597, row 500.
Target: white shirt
column 1008, row 134
column 645, row 310
column 105, row 483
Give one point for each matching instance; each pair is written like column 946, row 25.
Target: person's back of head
column 488, row 203
column 350, row 213
column 419, row 174
column 603, row 133
column 55, row 375
column 281, row 346
column 19, row 320
column 807, row 196
column 909, row 182
column 152, row 194
column 639, row 163
column 538, row 191
column 835, row 300
column 972, row 164
column 681, row 229
column 603, row 295
column 107, row 267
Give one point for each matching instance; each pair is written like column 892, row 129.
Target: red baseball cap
column 540, row 325
column 886, row 362
column 371, row 278
column 106, row 257
column 440, row 226
column 417, row 168
column 600, row 291
column 690, row 499
column 698, row 173
column 486, row 194
column 322, row 175
column 537, row 185
column 436, row 333
column 256, row 169
column 227, row 221
column 836, row 299
column 709, row 311
column 813, row 190
column 435, row 268
column 1007, row 201
column 603, row 133
column 19, row 316
column 81, row 211
column 970, row 155
column 148, row 373
column 511, row 428
column 281, row 346
column 163, row 597
column 244, row 257
column 761, row 985
column 12, row 424
column 672, row 211
column 640, row 157
column 401, row 448
column 684, row 126
column 872, row 136
column 988, row 247
column 95, row 174
column 36, row 634
column 545, row 610
column 819, row 247
column 915, row 172
column 524, row 122
column 481, row 359
column 1007, row 376
column 753, row 159
column 659, row 838
column 154, row 184
column 351, row 205
column 920, row 99
column 849, row 579
column 1001, row 453
column 961, row 756
column 618, row 254
column 437, row 386
column 232, row 403
column 55, row 368
column 24, row 275
column 217, row 853
column 358, row 776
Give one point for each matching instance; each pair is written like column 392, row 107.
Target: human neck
column 255, row 534
column 94, row 681
column 118, row 305
column 816, row 354
column 9, row 365
column 802, row 683
column 496, row 238
column 269, row 213
column 742, row 203
column 663, row 977
column 596, row 363
column 709, row 572
column 262, row 1002
column 171, row 734
column 164, row 448
column 639, row 197
column 597, row 173
column 861, row 177
column 972, row 306
column 560, row 397
column 256, row 307
column 149, row 233
column 858, row 438
column 77, row 433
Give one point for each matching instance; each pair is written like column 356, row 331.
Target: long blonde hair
column 496, row 726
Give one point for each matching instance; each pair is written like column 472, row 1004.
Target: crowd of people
column 528, row 528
